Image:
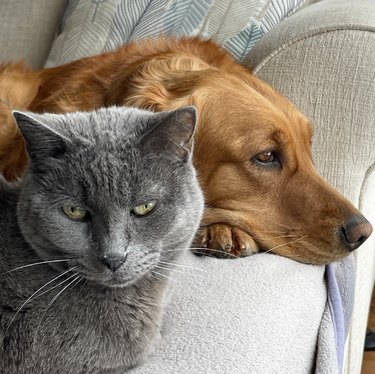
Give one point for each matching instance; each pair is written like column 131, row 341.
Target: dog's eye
column 265, row 157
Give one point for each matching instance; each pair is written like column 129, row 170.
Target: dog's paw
column 221, row 240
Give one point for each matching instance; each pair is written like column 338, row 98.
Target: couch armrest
column 322, row 58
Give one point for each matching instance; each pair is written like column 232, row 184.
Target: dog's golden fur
column 287, row 209
column 18, row 88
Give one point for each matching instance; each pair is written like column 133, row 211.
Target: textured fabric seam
column 363, row 190
column 362, row 193
column 295, row 40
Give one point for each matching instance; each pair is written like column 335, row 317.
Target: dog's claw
column 221, row 240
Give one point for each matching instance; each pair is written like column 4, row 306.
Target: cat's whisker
column 175, row 250
column 187, row 273
column 36, row 263
column 81, row 278
column 57, row 285
column 77, row 277
column 163, row 275
column 170, row 269
column 205, row 252
column 31, row 297
column 181, row 265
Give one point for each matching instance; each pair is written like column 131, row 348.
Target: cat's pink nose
column 113, row 261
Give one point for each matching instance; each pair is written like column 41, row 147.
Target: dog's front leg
column 224, row 241
column 220, row 235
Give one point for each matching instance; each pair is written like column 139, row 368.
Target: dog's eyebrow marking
column 255, row 141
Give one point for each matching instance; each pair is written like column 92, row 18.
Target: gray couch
column 322, row 58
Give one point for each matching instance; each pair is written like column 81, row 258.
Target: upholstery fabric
column 28, row 29
column 260, row 314
column 321, row 58
column 91, row 27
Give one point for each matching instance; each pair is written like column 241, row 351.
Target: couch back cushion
column 91, row 27
column 27, row 29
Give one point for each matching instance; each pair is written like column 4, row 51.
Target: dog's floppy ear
column 171, row 133
column 156, row 89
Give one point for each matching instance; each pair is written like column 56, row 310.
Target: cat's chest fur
column 87, row 329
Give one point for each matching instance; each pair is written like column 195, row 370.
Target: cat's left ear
column 173, row 134
column 43, row 143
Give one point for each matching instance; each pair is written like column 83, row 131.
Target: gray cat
column 86, row 240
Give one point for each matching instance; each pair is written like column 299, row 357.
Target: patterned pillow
column 93, row 26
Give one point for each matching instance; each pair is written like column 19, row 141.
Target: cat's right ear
column 43, row 144
column 173, row 133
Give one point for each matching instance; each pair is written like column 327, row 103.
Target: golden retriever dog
column 252, row 146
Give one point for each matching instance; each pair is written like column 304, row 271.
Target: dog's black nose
column 355, row 232
column 113, row 261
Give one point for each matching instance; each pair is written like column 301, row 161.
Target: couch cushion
column 91, row 27
column 28, row 29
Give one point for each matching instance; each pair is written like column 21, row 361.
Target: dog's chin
column 310, row 255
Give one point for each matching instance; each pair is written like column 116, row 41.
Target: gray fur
column 108, row 161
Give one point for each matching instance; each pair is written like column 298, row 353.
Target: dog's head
column 253, row 156
column 253, row 153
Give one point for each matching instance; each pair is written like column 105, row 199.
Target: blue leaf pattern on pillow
column 240, row 45
column 184, row 16
column 97, row 3
column 135, row 20
column 116, row 22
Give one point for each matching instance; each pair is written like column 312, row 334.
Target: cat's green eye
column 75, row 213
column 143, row 209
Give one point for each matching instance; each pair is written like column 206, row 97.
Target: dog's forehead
column 276, row 109
column 277, row 115
column 237, row 123
column 299, row 128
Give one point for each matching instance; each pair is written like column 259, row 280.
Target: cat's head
column 113, row 191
